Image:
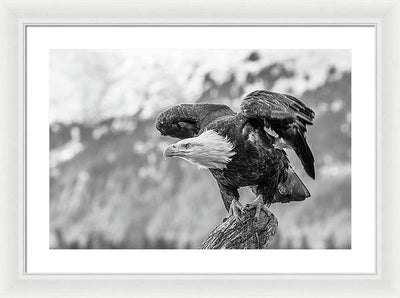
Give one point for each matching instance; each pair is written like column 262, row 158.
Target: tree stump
column 247, row 234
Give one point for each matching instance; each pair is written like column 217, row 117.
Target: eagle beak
column 170, row 151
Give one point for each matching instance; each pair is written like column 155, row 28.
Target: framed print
column 144, row 157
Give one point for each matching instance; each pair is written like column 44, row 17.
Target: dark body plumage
column 258, row 161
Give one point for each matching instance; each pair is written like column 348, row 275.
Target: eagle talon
column 236, row 208
column 258, row 203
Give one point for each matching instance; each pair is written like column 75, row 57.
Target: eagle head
column 208, row 150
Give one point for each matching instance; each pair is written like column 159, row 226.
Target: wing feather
column 187, row 120
column 287, row 116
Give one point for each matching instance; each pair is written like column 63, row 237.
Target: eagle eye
column 186, row 145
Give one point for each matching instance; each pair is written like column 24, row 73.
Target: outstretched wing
column 287, row 116
column 187, row 120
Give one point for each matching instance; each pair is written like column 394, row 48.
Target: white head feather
column 209, row 150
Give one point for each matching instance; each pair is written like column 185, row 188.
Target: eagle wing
column 287, row 116
column 187, row 120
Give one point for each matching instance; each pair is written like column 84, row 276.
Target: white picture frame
column 15, row 15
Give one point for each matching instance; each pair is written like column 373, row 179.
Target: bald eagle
column 246, row 148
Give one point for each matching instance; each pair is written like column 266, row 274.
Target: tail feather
column 292, row 189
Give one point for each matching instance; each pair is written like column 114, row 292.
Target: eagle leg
column 258, row 203
column 236, row 208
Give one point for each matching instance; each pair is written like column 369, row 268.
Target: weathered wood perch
column 249, row 234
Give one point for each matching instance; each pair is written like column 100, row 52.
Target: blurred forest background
column 110, row 186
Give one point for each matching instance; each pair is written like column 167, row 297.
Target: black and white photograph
column 200, row 148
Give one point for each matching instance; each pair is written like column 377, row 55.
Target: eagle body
column 256, row 162
column 243, row 149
